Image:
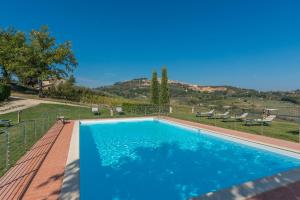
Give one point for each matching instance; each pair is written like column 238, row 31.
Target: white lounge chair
column 205, row 114
column 119, row 110
column 265, row 121
column 62, row 119
column 4, row 122
column 221, row 115
column 95, row 110
column 237, row 117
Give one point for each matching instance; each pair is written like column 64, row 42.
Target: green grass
column 21, row 137
column 278, row 129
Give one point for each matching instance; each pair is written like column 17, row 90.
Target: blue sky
column 253, row 44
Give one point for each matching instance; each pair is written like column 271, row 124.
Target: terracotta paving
column 47, row 182
column 15, row 182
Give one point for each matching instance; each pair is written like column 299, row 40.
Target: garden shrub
column 4, row 92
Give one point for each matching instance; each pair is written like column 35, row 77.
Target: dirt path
column 17, row 103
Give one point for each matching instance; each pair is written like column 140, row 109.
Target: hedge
column 4, row 92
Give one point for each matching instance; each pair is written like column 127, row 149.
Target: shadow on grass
column 296, row 132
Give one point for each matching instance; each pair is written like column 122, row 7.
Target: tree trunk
column 6, row 76
column 40, row 83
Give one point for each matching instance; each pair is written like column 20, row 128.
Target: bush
column 4, row 92
column 291, row 99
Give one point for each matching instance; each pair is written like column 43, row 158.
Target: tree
column 12, row 47
column 71, row 80
column 154, row 89
column 47, row 59
column 164, row 89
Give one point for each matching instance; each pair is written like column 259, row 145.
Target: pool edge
column 237, row 192
column 71, row 181
column 254, row 188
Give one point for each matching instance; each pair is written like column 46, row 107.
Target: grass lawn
column 280, row 129
column 71, row 112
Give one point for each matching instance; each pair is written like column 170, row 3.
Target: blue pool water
column 155, row 160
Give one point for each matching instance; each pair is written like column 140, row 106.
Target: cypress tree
column 164, row 89
column 154, row 89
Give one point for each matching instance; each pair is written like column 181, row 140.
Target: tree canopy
column 164, row 88
column 34, row 57
column 154, row 89
column 12, row 47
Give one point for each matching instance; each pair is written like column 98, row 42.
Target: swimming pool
column 155, row 159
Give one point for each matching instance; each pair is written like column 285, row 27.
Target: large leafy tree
column 12, row 48
column 164, row 89
column 154, row 89
column 47, row 59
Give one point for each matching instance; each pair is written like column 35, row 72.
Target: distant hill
column 179, row 91
column 186, row 93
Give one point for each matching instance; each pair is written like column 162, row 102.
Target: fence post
column 44, row 125
column 25, row 136
column 111, row 112
column 235, row 124
column 7, row 149
column 19, row 116
column 170, row 109
column 81, row 108
column 48, row 122
column 299, row 128
column 34, row 128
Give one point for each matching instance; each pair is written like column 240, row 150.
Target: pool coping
column 71, row 182
column 251, row 189
column 241, row 140
column 238, row 192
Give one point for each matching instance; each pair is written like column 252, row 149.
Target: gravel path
column 17, row 103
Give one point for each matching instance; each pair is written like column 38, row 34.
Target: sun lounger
column 62, row 119
column 119, row 110
column 205, row 114
column 237, row 117
column 264, row 121
column 95, row 110
column 4, row 122
column 220, row 115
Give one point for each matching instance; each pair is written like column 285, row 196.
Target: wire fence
column 252, row 119
column 16, row 140
column 279, row 122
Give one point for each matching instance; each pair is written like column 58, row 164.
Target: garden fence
column 19, row 138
